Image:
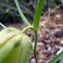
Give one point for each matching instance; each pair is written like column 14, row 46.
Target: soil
column 50, row 36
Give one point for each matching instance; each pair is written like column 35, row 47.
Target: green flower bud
column 14, row 47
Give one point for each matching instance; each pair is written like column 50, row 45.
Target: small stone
column 33, row 60
column 33, row 45
column 61, row 41
column 47, row 41
column 39, row 46
column 59, row 51
column 58, row 17
column 42, row 56
column 40, row 61
column 32, row 54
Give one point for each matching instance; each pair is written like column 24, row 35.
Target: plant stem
column 35, row 46
column 3, row 25
column 26, row 28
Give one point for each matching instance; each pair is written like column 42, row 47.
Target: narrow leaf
column 61, row 61
column 56, row 58
column 21, row 14
column 2, row 25
column 38, row 13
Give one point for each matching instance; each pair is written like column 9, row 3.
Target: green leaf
column 61, row 61
column 56, row 58
column 21, row 14
column 2, row 25
column 38, row 13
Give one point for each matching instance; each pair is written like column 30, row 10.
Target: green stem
column 23, row 31
column 3, row 25
column 35, row 46
column 26, row 28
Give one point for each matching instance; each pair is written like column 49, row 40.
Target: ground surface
column 50, row 36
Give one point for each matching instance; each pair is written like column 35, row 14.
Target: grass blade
column 21, row 14
column 56, row 58
column 38, row 13
column 3, row 25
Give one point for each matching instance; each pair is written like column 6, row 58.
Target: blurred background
column 9, row 13
column 50, row 32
